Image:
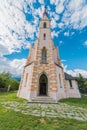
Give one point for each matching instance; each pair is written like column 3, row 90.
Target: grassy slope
column 10, row 120
column 81, row 102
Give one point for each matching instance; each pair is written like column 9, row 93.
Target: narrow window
column 44, row 25
column 60, row 81
column 70, row 82
column 44, row 55
column 26, row 79
column 44, row 36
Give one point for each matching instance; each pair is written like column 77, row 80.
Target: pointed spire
column 45, row 13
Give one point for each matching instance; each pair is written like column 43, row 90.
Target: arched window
column 44, row 55
column 44, row 25
column 44, row 36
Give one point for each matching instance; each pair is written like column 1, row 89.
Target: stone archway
column 43, row 85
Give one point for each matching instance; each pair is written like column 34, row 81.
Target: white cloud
column 52, row 1
column 59, row 5
column 61, row 42
column 54, row 34
column 74, row 5
column 66, row 34
column 63, row 60
column 76, row 14
column 53, row 23
column 3, row 50
column 15, row 66
column 41, row 1
column 61, row 25
column 14, row 28
column 75, row 72
column 85, row 43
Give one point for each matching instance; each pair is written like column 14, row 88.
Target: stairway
column 43, row 99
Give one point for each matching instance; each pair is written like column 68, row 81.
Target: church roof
column 69, row 77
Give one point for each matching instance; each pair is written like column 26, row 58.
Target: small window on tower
column 44, row 25
column 44, row 36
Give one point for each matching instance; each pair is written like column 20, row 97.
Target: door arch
column 43, row 85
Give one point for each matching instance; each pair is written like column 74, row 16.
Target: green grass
column 80, row 102
column 11, row 120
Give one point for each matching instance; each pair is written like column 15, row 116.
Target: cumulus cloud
column 53, row 23
column 76, row 14
column 59, row 5
column 74, row 72
column 15, row 66
column 14, row 26
column 14, row 29
column 54, row 34
column 61, row 25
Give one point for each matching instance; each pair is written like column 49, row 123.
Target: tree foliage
column 7, row 83
column 82, row 83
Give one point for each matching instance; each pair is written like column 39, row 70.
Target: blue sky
column 19, row 26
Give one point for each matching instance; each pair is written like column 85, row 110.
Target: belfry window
column 44, row 25
column 44, row 55
column 44, row 36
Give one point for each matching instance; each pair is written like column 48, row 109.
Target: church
column 43, row 78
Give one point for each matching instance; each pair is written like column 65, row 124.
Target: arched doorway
column 43, row 81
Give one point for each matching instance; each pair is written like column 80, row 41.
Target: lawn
column 80, row 102
column 15, row 120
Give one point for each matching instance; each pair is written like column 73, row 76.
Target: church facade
column 43, row 77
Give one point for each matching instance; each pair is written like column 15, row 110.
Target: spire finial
column 45, row 13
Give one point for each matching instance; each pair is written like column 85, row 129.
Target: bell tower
column 44, row 31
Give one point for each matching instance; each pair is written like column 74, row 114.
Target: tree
column 85, row 86
column 7, row 83
column 14, row 84
column 82, row 83
column 4, row 79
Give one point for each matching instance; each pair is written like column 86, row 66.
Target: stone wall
column 74, row 90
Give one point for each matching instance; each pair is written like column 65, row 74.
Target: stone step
column 43, row 99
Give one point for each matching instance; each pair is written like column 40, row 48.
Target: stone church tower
column 43, row 77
